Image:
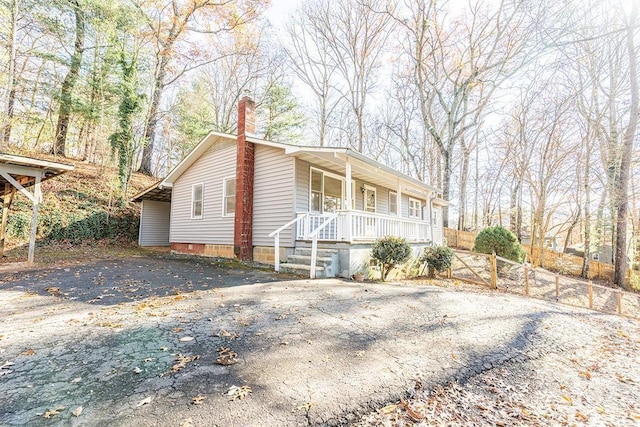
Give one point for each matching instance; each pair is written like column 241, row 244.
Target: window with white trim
column 393, row 203
column 197, row 191
column 436, row 216
column 415, row 208
column 228, row 196
column 369, row 198
column 326, row 191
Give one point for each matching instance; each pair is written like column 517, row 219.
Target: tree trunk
column 11, row 78
column 66, row 92
column 9, row 114
column 152, row 117
column 621, row 264
column 446, row 182
column 464, row 178
column 513, row 209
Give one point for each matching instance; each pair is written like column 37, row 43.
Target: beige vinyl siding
column 273, row 197
column 210, row 169
column 154, row 223
column 302, row 186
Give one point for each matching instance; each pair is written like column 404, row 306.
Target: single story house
column 319, row 209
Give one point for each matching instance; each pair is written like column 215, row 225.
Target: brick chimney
column 245, row 165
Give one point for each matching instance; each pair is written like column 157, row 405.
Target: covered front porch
column 353, row 226
column 343, row 203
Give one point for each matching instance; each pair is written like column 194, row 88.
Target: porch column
column 347, row 176
column 349, row 196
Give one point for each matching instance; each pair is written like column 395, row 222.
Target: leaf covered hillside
column 78, row 206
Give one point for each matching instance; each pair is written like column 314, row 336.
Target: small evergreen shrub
column 500, row 241
column 438, row 258
column 390, row 251
column 19, row 225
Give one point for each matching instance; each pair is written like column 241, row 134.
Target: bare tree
column 169, row 23
column 458, row 65
column 622, row 189
column 309, row 57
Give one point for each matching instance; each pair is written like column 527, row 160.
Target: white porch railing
column 276, row 235
column 350, row 226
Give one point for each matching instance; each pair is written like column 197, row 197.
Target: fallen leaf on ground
column 187, row 422
column 414, row 416
column 28, row 352
column 49, row 414
column 144, row 401
column 582, row 417
column 226, row 334
column 198, row 399
column 182, row 362
column 389, row 409
column 305, row 406
column 624, row 379
column 76, row 412
column 585, row 374
column 568, row 399
column 177, row 330
column 185, row 339
column 226, row 357
column 236, row 393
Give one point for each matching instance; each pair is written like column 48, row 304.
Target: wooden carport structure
column 17, row 173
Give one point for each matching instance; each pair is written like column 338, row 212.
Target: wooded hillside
column 524, row 113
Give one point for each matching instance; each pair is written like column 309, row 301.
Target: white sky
column 280, row 10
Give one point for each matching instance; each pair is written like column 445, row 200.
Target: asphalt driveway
column 192, row 342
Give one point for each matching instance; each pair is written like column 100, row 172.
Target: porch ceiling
column 363, row 171
column 24, row 170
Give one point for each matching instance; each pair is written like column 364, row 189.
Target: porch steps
column 301, row 269
column 300, row 262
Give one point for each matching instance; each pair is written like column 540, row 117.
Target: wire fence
column 508, row 276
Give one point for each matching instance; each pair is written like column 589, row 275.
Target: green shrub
column 390, row 251
column 500, row 241
column 438, row 258
column 19, row 224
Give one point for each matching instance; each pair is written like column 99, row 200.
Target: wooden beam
column 9, row 192
column 17, row 185
column 37, row 196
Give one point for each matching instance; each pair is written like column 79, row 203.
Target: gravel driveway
column 191, row 342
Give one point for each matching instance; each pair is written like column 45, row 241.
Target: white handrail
column 276, row 233
column 314, row 244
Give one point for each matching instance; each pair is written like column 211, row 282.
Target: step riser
column 327, row 262
column 320, row 252
column 303, row 259
column 320, row 274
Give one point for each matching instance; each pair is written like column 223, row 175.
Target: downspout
column 431, row 198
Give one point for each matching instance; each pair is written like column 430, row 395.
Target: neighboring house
column 240, row 196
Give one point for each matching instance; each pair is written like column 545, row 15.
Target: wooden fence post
column 526, row 280
column 590, row 294
column 494, row 271
column 557, row 287
column 619, row 301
